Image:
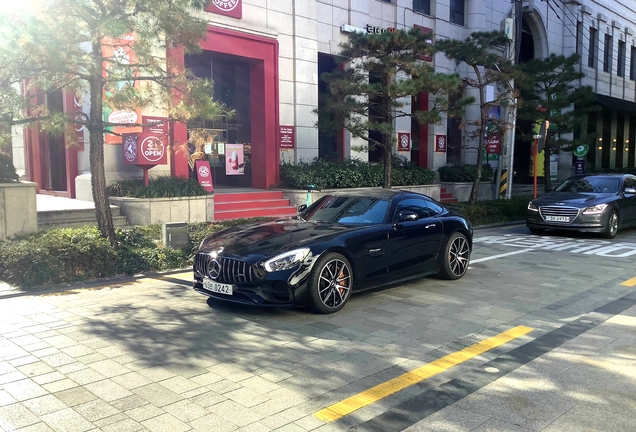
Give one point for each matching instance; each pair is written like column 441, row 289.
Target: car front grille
column 557, row 211
column 229, row 270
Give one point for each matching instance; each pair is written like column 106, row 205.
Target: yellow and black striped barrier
column 503, row 182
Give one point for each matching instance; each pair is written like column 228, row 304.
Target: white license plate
column 557, row 219
column 217, row 287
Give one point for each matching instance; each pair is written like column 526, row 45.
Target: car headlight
column 532, row 207
column 286, row 261
column 595, row 209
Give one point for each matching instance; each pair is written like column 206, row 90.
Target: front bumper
column 268, row 293
column 594, row 223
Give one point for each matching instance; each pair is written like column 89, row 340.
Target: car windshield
column 347, row 210
column 591, row 184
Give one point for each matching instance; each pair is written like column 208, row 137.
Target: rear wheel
column 330, row 283
column 456, row 257
column 612, row 225
column 536, row 231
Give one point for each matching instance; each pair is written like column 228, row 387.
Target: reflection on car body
column 601, row 203
column 343, row 242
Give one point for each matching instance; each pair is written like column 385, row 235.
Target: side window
column 434, row 208
column 418, row 206
column 630, row 182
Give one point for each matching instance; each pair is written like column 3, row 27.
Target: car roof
column 604, row 175
column 371, row 192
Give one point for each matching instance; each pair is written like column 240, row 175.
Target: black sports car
column 600, row 203
column 341, row 243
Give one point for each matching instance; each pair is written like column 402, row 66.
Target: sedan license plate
column 557, row 219
column 217, row 287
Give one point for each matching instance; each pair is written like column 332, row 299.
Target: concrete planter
column 297, row 197
column 146, row 211
column 461, row 190
column 18, row 209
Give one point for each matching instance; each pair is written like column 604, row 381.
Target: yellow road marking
column 630, row 282
column 380, row 391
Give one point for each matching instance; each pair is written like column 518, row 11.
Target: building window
column 620, row 67
column 607, row 57
column 591, row 59
column 579, row 37
column 422, row 6
column 457, row 12
column 632, row 69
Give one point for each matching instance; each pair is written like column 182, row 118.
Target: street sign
column 579, row 166
column 581, row 150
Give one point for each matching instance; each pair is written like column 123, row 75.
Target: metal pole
column 513, row 53
column 511, row 150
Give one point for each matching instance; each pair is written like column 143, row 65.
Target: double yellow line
column 380, row 391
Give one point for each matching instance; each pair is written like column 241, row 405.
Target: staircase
column 75, row 218
column 237, row 205
column 446, row 197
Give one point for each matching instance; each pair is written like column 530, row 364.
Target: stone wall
column 18, row 210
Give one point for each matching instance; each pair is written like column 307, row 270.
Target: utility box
column 174, row 234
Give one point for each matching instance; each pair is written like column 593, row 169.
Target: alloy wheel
column 459, row 256
column 613, row 224
column 334, row 283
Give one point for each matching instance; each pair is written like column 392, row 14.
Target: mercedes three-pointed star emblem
column 214, row 269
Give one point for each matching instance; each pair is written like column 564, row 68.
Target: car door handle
column 429, row 226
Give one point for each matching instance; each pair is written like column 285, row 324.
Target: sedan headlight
column 287, row 260
column 532, row 207
column 595, row 209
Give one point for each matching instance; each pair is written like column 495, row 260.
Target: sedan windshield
column 592, row 184
column 347, row 210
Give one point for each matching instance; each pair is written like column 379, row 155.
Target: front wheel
column 612, row 225
column 456, row 257
column 330, row 283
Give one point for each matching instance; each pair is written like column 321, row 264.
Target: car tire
column 330, row 283
column 536, row 231
column 456, row 257
column 612, row 225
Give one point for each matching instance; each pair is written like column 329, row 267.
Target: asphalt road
column 539, row 335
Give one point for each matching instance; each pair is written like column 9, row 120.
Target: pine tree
column 366, row 107
column 549, row 92
column 483, row 53
column 67, row 45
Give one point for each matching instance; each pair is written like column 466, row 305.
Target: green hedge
column 75, row 254
column 352, row 173
column 160, row 187
column 8, row 173
column 493, row 211
column 464, row 173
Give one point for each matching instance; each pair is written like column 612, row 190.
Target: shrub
column 160, row 187
column 464, row 173
column 493, row 211
column 8, row 173
column 352, row 173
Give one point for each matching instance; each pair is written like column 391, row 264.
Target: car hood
column 270, row 238
column 574, row 199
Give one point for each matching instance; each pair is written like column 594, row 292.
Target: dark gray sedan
column 600, row 203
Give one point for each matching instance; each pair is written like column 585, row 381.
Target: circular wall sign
column 130, row 148
column 152, row 148
column 581, row 150
column 204, row 171
column 226, row 5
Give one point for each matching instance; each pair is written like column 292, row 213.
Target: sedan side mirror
column 406, row 216
column 301, row 208
column 629, row 191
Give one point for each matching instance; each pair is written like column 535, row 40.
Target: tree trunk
column 387, row 156
column 483, row 112
column 96, row 155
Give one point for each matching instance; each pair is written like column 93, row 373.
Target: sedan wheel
column 456, row 257
column 330, row 283
column 612, row 225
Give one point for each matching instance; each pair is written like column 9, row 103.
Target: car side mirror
column 406, row 216
column 301, row 208
column 629, row 191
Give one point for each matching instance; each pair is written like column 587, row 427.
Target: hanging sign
column 440, row 143
column 204, row 175
column 234, row 162
column 231, row 8
column 404, row 141
column 428, row 31
column 287, row 137
column 493, row 144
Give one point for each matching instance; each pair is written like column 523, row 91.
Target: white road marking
column 499, row 256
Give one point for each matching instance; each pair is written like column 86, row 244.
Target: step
column 118, row 221
column 255, row 212
column 248, row 205
column 89, row 214
column 445, row 195
column 246, row 196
